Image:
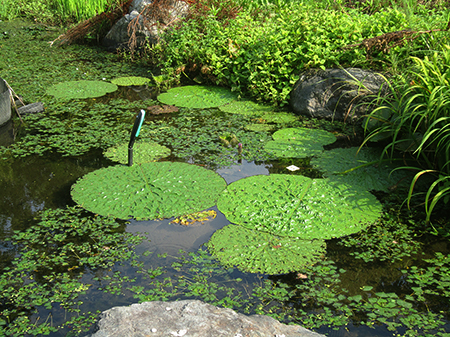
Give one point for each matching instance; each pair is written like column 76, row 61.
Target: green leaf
column 298, row 206
column 81, row 89
column 298, row 142
column 130, row 80
column 197, row 96
column 260, row 252
column 148, row 191
column 143, row 152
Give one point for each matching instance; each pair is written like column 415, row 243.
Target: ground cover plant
column 51, row 281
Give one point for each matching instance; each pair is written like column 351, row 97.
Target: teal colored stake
column 134, row 133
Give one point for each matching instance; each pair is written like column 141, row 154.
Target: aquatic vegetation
column 195, row 218
column 297, row 206
column 386, row 240
column 54, row 254
column 81, row 89
column 148, row 191
column 130, row 80
column 143, row 152
column 255, row 251
column 197, row 96
column 298, row 142
column 246, row 107
column 362, row 168
column 98, row 126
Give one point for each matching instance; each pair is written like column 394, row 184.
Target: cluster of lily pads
column 279, row 223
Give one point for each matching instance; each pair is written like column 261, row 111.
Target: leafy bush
column 263, row 55
column 417, row 115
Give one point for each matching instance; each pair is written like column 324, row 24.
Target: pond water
column 34, row 183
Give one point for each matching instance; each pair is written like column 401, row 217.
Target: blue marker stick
column 134, row 133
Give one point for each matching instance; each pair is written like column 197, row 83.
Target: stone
column 31, row 108
column 336, row 94
column 141, row 20
column 5, row 102
column 190, row 318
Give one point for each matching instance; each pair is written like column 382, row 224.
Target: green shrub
column 263, row 56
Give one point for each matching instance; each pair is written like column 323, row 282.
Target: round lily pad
column 148, row 191
column 297, row 206
column 197, row 96
column 359, row 168
column 130, row 80
column 143, row 152
column 259, row 127
column 298, row 142
column 246, row 107
column 81, row 89
column 279, row 117
column 260, row 252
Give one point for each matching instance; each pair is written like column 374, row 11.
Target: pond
column 62, row 264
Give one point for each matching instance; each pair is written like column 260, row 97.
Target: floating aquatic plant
column 298, row 142
column 81, row 89
column 260, row 252
column 130, row 80
column 362, row 168
column 148, row 191
column 298, row 206
column 257, row 127
column 143, row 152
column 197, row 96
column 195, row 218
column 246, row 107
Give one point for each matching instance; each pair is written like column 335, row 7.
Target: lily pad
column 81, row 89
column 259, row 127
column 279, row 117
column 259, row 252
column 362, row 169
column 148, row 191
column 246, row 107
column 143, row 152
column 298, row 142
column 130, row 80
column 297, row 206
column 197, row 96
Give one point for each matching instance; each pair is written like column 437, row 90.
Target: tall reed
column 417, row 117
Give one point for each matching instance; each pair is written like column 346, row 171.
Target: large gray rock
column 147, row 26
column 190, row 318
column 335, row 94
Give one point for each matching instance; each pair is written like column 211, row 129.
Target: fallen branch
column 390, row 40
column 89, row 26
